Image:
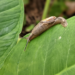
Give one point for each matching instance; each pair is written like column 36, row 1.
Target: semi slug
column 44, row 25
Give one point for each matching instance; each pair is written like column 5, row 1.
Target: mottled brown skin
column 46, row 24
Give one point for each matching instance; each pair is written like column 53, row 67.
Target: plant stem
column 46, row 9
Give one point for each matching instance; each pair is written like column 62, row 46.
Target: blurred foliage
column 46, row 8
column 70, row 0
column 57, row 8
column 30, row 27
column 26, row 2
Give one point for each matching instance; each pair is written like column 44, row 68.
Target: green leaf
column 26, row 1
column 51, row 53
column 29, row 28
column 68, row 71
column 57, row 8
column 13, row 60
column 11, row 21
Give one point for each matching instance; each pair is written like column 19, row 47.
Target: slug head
column 62, row 21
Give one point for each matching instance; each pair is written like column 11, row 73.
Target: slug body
column 44, row 25
column 41, row 27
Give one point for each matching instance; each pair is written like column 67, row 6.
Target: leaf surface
column 11, row 21
column 51, row 53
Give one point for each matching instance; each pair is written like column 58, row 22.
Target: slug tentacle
column 26, row 44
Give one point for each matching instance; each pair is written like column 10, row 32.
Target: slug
column 44, row 25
